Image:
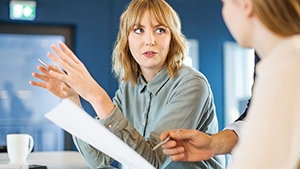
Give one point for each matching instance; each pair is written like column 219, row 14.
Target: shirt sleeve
column 235, row 126
column 117, row 124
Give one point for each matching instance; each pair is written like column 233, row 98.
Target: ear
column 248, row 8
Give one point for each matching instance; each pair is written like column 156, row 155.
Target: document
column 79, row 123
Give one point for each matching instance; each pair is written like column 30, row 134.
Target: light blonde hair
column 124, row 65
column 280, row 16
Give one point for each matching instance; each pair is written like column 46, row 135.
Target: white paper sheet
column 77, row 122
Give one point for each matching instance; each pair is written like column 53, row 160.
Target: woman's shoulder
column 285, row 57
column 296, row 42
column 188, row 71
column 190, row 76
column 287, row 50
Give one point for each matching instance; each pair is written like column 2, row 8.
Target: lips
column 149, row 53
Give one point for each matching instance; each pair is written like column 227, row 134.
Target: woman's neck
column 149, row 74
column 265, row 40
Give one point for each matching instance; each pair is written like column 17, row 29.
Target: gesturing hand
column 78, row 77
column 54, row 85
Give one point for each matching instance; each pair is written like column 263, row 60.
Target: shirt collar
column 156, row 83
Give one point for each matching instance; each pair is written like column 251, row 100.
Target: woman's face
column 236, row 20
column 149, row 44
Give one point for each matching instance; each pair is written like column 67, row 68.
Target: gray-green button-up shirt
column 144, row 111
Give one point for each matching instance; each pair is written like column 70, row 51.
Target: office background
column 96, row 22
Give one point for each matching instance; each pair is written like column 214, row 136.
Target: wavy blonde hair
column 124, row 65
column 280, row 16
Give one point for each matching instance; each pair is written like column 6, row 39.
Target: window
column 22, row 106
column 239, row 69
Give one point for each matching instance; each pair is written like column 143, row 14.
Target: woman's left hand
column 77, row 76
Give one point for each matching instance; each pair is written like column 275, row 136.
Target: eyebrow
column 155, row 26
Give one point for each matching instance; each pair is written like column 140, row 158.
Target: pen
column 43, row 63
column 165, row 141
column 46, row 67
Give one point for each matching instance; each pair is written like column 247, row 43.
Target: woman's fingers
column 67, row 57
column 59, row 76
column 38, row 84
column 43, row 69
column 67, row 60
column 67, row 91
column 69, row 52
column 61, row 60
column 40, row 76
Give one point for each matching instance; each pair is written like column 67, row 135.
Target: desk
column 53, row 160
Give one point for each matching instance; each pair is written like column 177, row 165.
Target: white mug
column 19, row 146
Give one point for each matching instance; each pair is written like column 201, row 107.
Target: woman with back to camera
column 270, row 136
column 157, row 92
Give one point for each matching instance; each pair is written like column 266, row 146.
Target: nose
column 151, row 44
column 150, row 39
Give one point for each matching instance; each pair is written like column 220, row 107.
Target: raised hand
column 54, row 85
column 78, row 77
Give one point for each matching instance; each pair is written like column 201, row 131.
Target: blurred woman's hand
column 54, row 85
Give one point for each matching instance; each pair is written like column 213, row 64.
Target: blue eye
column 160, row 30
column 138, row 30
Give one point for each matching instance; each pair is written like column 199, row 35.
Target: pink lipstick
column 149, row 53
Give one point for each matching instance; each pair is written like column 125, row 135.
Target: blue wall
column 96, row 26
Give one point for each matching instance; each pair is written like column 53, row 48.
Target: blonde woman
column 156, row 93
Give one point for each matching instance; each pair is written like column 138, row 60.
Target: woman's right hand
column 55, row 86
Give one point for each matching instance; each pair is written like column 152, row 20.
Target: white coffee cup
column 18, row 147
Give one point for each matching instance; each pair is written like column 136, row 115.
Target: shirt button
column 143, row 124
column 109, row 126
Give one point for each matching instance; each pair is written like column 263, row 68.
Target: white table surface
column 53, row 160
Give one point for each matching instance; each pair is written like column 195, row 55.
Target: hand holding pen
column 189, row 145
column 77, row 76
column 165, row 141
column 57, row 87
column 46, row 67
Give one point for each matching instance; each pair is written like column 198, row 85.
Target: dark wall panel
column 96, row 26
